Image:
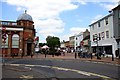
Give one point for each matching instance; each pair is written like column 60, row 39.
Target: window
column 119, row 13
column 102, row 35
column 106, row 21
column 4, row 23
column 15, row 41
column 95, row 37
column 98, row 24
column 93, row 27
column 107, row 34
column 99, row 37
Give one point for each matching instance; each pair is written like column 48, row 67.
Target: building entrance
column 29, row 48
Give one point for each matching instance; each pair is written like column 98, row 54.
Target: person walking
column 104, row 52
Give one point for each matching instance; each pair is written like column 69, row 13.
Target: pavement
column 71, row 56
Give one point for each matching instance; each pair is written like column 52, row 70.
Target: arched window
column 15, row 41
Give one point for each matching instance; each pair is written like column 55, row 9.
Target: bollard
column 75, row 55
column 91, row 55
column 112, row 57
column 45, row 54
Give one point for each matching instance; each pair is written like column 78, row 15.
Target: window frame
column 15, row 40
column 107, row 34
column 119, row 14
column 99, row 24
column 106, row 21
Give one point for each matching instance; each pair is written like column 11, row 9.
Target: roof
column 116, row 7
column 101, row 19
column 25, row 16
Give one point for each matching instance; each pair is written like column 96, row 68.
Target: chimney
column 119, row 3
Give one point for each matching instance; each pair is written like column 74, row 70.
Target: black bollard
column 45, row 55
column 75, row 55
column 112, row 57
column 91, row 55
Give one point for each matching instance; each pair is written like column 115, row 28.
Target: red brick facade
column 20, row 37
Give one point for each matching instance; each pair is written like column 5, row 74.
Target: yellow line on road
column 66, row 69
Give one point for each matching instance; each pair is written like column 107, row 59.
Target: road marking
column 66, row 69
column 29, row 65
column 14, row 64
column 27, row 76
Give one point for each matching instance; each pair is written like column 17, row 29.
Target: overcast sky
column 61, row 18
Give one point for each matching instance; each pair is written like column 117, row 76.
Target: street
column 58, row 68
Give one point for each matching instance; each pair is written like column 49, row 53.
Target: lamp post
column 75, row 47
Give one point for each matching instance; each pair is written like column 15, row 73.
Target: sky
column 59, row 18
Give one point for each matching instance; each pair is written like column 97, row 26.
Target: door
column 29, row 48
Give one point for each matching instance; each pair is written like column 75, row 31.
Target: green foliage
column 53, row 42
column 42, row 44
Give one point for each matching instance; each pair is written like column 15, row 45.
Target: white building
column 62, row 44
column 78, row 38
column 103, row 28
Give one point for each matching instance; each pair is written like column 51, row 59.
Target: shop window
column 15, row 41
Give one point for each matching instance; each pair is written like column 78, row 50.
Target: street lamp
column 75, row 47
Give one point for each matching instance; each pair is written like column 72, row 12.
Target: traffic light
column 4, row 37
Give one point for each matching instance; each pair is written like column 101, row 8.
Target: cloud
column 73, row 31
column 45, row 13
column 97, row 17
column 108, row 6
column 84, row 2
column 77, row 30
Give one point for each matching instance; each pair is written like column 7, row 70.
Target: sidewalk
column 72, row 56
column 69, row 56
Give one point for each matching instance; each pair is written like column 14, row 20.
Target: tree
column 42, row 44
column 53, row 42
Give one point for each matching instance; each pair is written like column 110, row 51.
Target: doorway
column 29, row 48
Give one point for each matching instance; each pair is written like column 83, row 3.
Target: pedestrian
column 32, row 55
column 104, row 52
column 64, row 52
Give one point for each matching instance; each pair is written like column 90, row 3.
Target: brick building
column 19, row 36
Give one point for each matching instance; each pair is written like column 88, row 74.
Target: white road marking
column 27, row 76
column 66, row 69
column 14, row 64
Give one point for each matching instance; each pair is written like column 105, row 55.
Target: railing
column 9, row 23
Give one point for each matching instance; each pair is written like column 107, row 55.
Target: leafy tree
column 53, row 42
column 42, row 44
